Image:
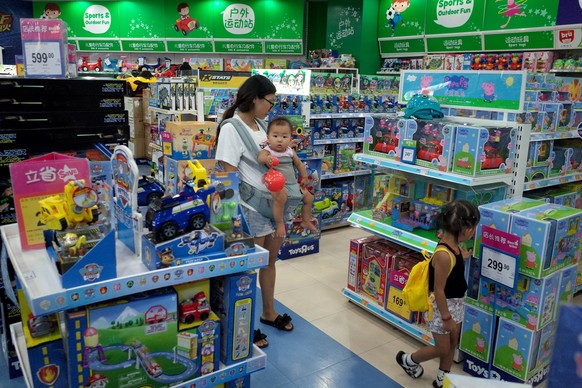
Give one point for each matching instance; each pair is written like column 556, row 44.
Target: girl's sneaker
column 413, row 369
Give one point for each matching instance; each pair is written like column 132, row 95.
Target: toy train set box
column 185, row 140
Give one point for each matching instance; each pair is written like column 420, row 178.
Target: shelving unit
column 346, row 174
column 225, row 374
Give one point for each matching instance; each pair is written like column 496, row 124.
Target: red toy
column 493, row 158
column 86, row 66
column 274, row 180
column 388, row 143
column 195, row 309
column 429, row 151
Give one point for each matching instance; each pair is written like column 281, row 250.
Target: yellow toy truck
column 78, row 205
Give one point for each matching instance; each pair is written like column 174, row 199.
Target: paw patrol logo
column 6, row 21
column 91, row 272
column 207, row 328
column 244, row 283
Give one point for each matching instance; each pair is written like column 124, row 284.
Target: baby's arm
column 265, row 158
column 302, row 170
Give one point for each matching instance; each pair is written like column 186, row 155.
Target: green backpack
column 261, row 200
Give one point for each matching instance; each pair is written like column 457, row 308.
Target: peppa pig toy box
column 477, row 333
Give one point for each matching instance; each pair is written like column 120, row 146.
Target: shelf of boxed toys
column 337, row 115
column 424, row 171
column 339, row 140
column 417, row 331
column 41, row 282
column 224, row 374
column 345, row 174
column 417, row 240
column 552, row 181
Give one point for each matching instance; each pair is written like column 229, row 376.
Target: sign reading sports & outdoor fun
column 181, row 26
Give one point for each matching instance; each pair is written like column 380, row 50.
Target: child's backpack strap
column 453, row 260
column 249, row 142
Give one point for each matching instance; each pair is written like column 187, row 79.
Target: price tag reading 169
column 499, row 267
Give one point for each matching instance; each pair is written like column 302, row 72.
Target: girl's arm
column 302, row 170
column 441, row 262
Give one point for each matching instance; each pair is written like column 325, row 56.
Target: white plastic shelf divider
column 414, row 330
column 41, row 281
column 346, row 174
column 399, row 236
column 537, row 136
column 340, row 140
column 223, row 375
column 424, row 171
column 552, row 181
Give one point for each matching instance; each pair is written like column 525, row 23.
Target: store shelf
column 554, row 181
column 337, row 115
column 155, row 146
column 223, row 375
column 335, row 225
column 424, row 171
column 339, row 140
column 41, row 281
column 345, row 174
column 173, row 112
column 414, row 330
column 417, row 240
column 537, row 136
column 388, row 72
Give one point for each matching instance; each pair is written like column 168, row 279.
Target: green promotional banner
column 141, row 19
column 189, row 46
column 143, row 45
column 404, row 46
column 190, row 19
column 84, row 19
column 515, row 14
column 284, row 47
column 238, row 20
column 451, row 16
column 401, row 18
column 520, row 41
column 283, row 19
column 344, row 27
column 99, row 45
column 464, row 43
column 238, row 46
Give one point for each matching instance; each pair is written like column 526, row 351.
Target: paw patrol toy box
column 483, row 151
column 549, row 237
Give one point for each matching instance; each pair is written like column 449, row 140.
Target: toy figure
column 513, row 8
column 393, row 14
column 91, row 341
column 236, row 226
column 74, row 246
column 96, row 380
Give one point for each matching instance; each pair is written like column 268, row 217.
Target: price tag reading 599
column 43, row 58
column 499, row 267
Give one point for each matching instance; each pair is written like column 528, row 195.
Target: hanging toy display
column 273, row 179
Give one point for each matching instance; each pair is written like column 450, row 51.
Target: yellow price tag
column 396, row 303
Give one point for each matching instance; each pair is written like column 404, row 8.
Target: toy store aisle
column 311, row 287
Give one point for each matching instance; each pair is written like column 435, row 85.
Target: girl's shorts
column 259, row 225
column 456, row 308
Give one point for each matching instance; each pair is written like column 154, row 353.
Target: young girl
column 458, row 220
column 279, row 145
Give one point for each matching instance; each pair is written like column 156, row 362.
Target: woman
column 254, row 100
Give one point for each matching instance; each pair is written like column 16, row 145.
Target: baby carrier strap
column 248, row 141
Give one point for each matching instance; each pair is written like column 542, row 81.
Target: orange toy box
column 187, row 140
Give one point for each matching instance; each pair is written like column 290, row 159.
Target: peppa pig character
column 425, row 84
column 517, row 362
column 488, row 91
column 480, row 347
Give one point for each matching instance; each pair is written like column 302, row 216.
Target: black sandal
column 280, row 322
column 260, row 337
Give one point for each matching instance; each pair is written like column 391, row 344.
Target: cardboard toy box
column 207, row 336
column 233, row 297
column 477, row 333
column 376, row 264
column 434, row 143
column 498, row 215
column 567, row 285
column 177, row 172
column 131, row 341
column 531, row 305
column 184, row 140
column 45, row 347
column 383, row 134
column 355, row 261
column 549, row 235
column 61, row 88
column 520, row 352
column 483, row 151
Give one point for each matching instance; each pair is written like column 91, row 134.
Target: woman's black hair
column 458, row 215
column 280, row 121
column 257, row 86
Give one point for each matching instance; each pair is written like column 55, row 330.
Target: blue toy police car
column 148, row 190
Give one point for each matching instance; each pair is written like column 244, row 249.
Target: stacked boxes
column 137, row 143
column 355, row 261
column 186, row 140
column 477, row 333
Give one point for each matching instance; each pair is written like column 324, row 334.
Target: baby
column 279, row 145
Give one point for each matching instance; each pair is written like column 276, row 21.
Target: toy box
column 243, row 64
column 383, row 133
column 276, row 63
column 498, row 215
column 45, row 347
column 549, row 234
column 520, row 352
column 131, row 341
column 355, row 261
column 477, row 333
column 376, row 263
column 567, row 285
column 434, row 144
column 184, row 140
column 483, row 151
column 401, row 266
column 344, row 157
column 482, row 195
column 322, row 129
column 233, row 298
column 178, row 172
column 418, row 213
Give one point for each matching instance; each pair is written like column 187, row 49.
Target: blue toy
column 424, row 107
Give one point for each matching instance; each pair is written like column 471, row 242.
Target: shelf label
column 396, row 303
column 499, row 256
column 44, row 47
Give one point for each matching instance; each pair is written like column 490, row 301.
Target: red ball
column 274, row 180
column 275, row 161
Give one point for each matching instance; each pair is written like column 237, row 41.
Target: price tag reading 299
column 499, row 267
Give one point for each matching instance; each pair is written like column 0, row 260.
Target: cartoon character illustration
column 185, row 23
column 480, row 347
column 96, row 380
column 425, row 84
column 512, row 8
column 393, row 14
column 236, row 226
column 51, row 11
column 488, row 91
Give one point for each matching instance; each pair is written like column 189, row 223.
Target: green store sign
column 402, row 46
column 238, row 46
column 99, row 45
column 465, row 43
column 284, row 47
column 519, row 41
column 143, row 45
column 182, row 46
